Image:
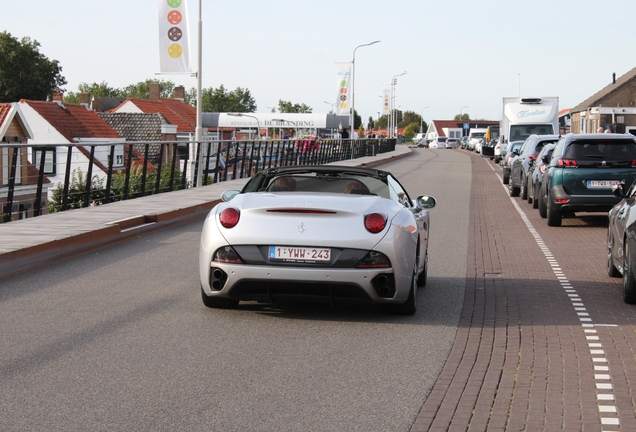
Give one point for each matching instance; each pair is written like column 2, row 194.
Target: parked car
column 419, row 139
column 438, row 143
column 464, row 142
column 520, row 165
column 512, row 146
column 499, row 151
column 582, row 171
column 535, row 177
column 338, row 235
column 620, row 256
column 451, row 143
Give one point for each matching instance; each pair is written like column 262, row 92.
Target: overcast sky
column 462, row 53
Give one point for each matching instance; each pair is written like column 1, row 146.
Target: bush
column 76, row 192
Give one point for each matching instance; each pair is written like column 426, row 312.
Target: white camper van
column 522, row 117
column 475, row 138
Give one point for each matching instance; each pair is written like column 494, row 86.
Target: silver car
column 328, row 234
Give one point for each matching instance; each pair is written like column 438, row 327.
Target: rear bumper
column 582, row 203
column 329, row 285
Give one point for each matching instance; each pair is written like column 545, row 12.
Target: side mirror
column 425, row 202
column 229, row 194
column 618, row 191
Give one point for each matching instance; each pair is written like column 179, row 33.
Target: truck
column 522, row 117
column 475, row 137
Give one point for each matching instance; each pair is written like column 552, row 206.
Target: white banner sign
column 386, row 96
column 174, row 36
column 344, row 78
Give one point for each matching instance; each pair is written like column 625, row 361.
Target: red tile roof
column 4, row 111
column 175, row 111
column 73, row 120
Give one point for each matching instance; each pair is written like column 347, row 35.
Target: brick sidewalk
column 526, row 355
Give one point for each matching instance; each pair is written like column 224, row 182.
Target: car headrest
column 279, row 188
column 359, row 191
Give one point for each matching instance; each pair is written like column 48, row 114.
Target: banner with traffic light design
column 386, row 96
column 174, row 37
column 344, row 79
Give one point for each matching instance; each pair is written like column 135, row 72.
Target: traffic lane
column 579, row 248
column 118, row 339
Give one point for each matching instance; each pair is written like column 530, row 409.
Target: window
column 49, row 159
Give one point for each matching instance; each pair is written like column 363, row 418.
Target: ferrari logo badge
column 301, row 228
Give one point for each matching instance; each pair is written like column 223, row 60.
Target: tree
column 462, row 117
column 410, row 117
column 141, row 90
column 382, row 123
column 94, row 90
column 411, row 130
column 371, row 123
column 288, row 107
column 24, row 72
column 357, row 120
column 220, row 100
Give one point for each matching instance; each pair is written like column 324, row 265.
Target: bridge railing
column 37, row 179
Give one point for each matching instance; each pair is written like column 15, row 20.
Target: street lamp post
column 353, row 74
column 460, row 112
column 198, row 130
column 333, row 110
column 392, row 123
column 258, row 124
column 422, row 119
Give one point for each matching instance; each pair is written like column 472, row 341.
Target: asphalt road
column 118, row 339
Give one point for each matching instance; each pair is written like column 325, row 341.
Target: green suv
column 582, row 170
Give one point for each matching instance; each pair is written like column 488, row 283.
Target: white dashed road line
column 603, row 380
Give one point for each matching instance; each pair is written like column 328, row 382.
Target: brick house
column 613, row 108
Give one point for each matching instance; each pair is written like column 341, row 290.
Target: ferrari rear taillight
column 229, row 217
column 227, row 254
column 542, row 169
column 633, row 163
column 375, row 222
column 374, row 260
column 532, row 157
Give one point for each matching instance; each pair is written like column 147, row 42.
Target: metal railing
column 37, row 179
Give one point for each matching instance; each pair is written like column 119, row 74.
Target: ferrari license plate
column 299, row 254
column 602, row 184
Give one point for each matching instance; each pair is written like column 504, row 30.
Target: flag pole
column 198, row 131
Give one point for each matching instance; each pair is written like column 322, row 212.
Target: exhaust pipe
column 384, row 285
column 217, row 279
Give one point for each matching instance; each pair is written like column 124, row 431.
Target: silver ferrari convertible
column 316, row 233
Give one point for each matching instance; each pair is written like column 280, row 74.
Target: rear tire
column 506, row 178
column 523, row 188
column 535, row 197
column 513, row 191
column 218, row 302
column 543, row 211
column 612, row 271
column 421, row 279
column 410, row 306
column 629, row 285
column 554, row 216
